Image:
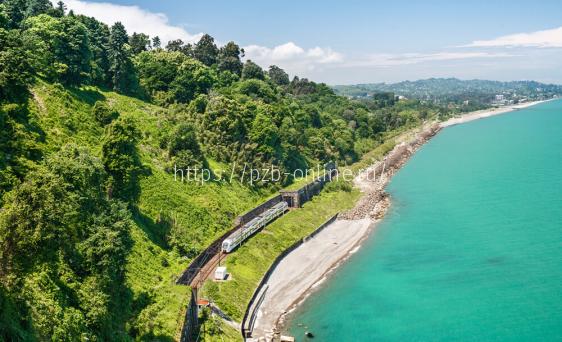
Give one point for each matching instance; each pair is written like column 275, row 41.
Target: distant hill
column 446, row 90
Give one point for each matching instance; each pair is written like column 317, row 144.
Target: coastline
column 304, row 269
column 485, row 113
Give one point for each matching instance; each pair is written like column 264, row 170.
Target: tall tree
column 36, row 7
column 157, row 70
column 156, row 43
column 98, row 34
column 193, row 78
column 252, row 70
column 139, row 42
column 120, row 65
column 206, row 50
column 60, row 10
column 61, row 46
column 120, row 158
column 15, row 11
column 178, row 46
column 75, row 51
column 229, row 58
column 15, row 69
column 3, row 18
column 278, row 75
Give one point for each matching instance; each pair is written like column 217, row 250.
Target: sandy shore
column 486, row 113
column 308, row 265
column 305, row 267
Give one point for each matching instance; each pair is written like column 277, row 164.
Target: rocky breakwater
column 375, row 201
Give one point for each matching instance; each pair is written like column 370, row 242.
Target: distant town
column 464, row 95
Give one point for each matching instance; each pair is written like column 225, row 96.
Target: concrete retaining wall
column 191, row 319
column 248, row 216
column 257, row 297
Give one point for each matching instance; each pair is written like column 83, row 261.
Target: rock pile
column 375, row 202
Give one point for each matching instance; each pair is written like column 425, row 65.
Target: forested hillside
column 94, row 227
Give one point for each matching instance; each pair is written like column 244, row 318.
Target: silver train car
column 260, row 221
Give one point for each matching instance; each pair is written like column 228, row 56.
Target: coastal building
column 220, row 273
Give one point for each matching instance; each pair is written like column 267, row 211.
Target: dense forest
column 93, row 121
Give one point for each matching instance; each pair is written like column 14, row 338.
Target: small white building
column 220, row 273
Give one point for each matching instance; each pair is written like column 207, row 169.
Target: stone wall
column 248, row 216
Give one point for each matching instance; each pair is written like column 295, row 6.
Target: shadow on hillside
column 88, row 95
column 156, row 230
column 159, row 338
column 21, row 137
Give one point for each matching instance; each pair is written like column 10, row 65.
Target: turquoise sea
column 471, row 249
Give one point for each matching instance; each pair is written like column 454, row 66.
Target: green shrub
column 338, row 185
column 103, row 114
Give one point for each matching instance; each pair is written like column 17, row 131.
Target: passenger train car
column 253, row 225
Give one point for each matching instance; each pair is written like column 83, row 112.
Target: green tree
column 302, row 86
column 183, row 148
column 120, row 159
column 15, row 11
column 193, row 78
column 120, row 65
column 266, row 135
column 139, row 42
column 173, row 77
column 36, row 7
column 206, row 50
column 60, row 10
column 179, row 46
column 223, row 128
column 61, row 235
column 15, row 67
column 32, row 224
column 252, row 70
column 98, row 36
column 157, row 70
column 75, row 51
column 156, row 43
column 183, row 138
column 62, row 48
column 278, row 75
column 256, row 89
column 229, row 58
column 3, row 18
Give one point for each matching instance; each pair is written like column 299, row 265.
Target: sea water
column 471, row 249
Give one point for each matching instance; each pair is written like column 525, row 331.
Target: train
column 260, row 221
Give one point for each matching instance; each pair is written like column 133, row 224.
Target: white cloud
column 134, row 18
column 318, row 62
column 551, row 38
column 292, row 57
column 387, row 60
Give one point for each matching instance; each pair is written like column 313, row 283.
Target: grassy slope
column 201, row 212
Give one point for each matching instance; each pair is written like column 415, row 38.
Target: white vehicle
column 254, row 225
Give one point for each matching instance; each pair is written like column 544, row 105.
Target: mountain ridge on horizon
column 455, row 90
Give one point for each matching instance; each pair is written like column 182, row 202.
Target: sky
column 350, row 42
